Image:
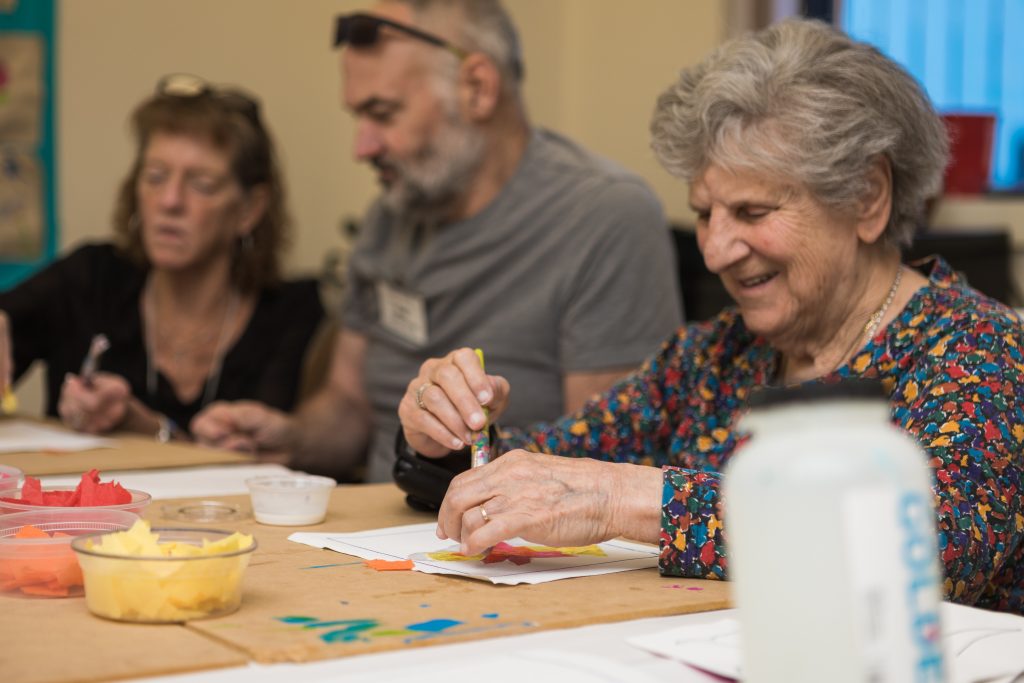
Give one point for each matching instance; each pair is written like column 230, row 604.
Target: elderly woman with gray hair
column 809, row 158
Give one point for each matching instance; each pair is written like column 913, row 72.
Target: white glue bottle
column 831, row 541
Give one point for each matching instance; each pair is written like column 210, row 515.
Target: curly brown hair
column 228, row 120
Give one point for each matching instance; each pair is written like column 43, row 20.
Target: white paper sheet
column 17, row 436
column 537, row 665
column 180, row 482
column 979, row 645
column 713, row 647
column 414, row 541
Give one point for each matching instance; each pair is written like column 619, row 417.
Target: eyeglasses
column 363, row 30
column 189, row 86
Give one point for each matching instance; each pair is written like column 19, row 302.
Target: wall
column 987, row 212
column 609, row 87
column 594, row 68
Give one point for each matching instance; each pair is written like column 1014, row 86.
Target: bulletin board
column 28, row 236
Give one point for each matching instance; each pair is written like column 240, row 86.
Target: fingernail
column 477, row 419
column 484, row 396
column 439, row 533
column 467, row 437
column 463, row 549
column 456, row 444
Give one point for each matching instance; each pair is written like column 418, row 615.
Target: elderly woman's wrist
column 637, row 506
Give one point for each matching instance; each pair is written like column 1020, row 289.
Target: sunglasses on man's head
column 188, row 85
column 363, row 30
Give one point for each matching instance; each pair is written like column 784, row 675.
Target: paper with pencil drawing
column 19, row 436
column 979, row 645
column 512, row 562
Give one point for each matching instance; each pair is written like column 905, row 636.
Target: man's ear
column 876, row 205
column 254, row 207
column 479, row 86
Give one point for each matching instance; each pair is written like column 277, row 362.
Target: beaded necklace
column 870, row 328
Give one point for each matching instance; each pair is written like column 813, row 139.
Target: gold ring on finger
column 419, row 394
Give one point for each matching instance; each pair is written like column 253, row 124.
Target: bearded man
column 488, row 233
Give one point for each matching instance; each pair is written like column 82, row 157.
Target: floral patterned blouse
column 952, row 365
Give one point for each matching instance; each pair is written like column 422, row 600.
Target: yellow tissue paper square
column 155, row 587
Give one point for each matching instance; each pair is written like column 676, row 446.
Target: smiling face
column 190, row 204
column 408, row 123
column 790, row 262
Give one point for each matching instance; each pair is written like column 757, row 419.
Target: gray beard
column 428, row 185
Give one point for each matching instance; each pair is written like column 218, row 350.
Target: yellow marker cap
column 480, row 357
column 9, row 403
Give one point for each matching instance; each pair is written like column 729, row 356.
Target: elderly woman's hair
column 803, row 101
column 230, row 122
column 486, row 28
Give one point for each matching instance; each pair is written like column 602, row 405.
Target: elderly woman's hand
column 551, row 500
column 442, row 406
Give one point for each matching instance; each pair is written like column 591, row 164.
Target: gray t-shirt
column 570, row 268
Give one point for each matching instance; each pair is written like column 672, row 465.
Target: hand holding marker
column 481, row 446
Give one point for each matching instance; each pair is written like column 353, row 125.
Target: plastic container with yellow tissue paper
column 183, row 575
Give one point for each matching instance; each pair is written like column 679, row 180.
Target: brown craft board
column 286, row 579
column 58, row 641
column 131, row 453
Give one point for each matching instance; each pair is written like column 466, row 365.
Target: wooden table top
column 132, row 452
column 287, row 579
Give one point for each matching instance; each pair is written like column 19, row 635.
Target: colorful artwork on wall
column 27, row 217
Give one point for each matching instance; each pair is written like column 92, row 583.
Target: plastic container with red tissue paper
column 89, row 493
column 36, row 559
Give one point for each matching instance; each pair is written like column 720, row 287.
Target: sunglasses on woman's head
column 189, row 85
column 363, row 30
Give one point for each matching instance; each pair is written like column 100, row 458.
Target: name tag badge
column 403, row 313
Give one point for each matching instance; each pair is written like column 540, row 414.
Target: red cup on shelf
column 970, row 147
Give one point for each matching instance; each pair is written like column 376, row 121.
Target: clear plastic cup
column 290, row 499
